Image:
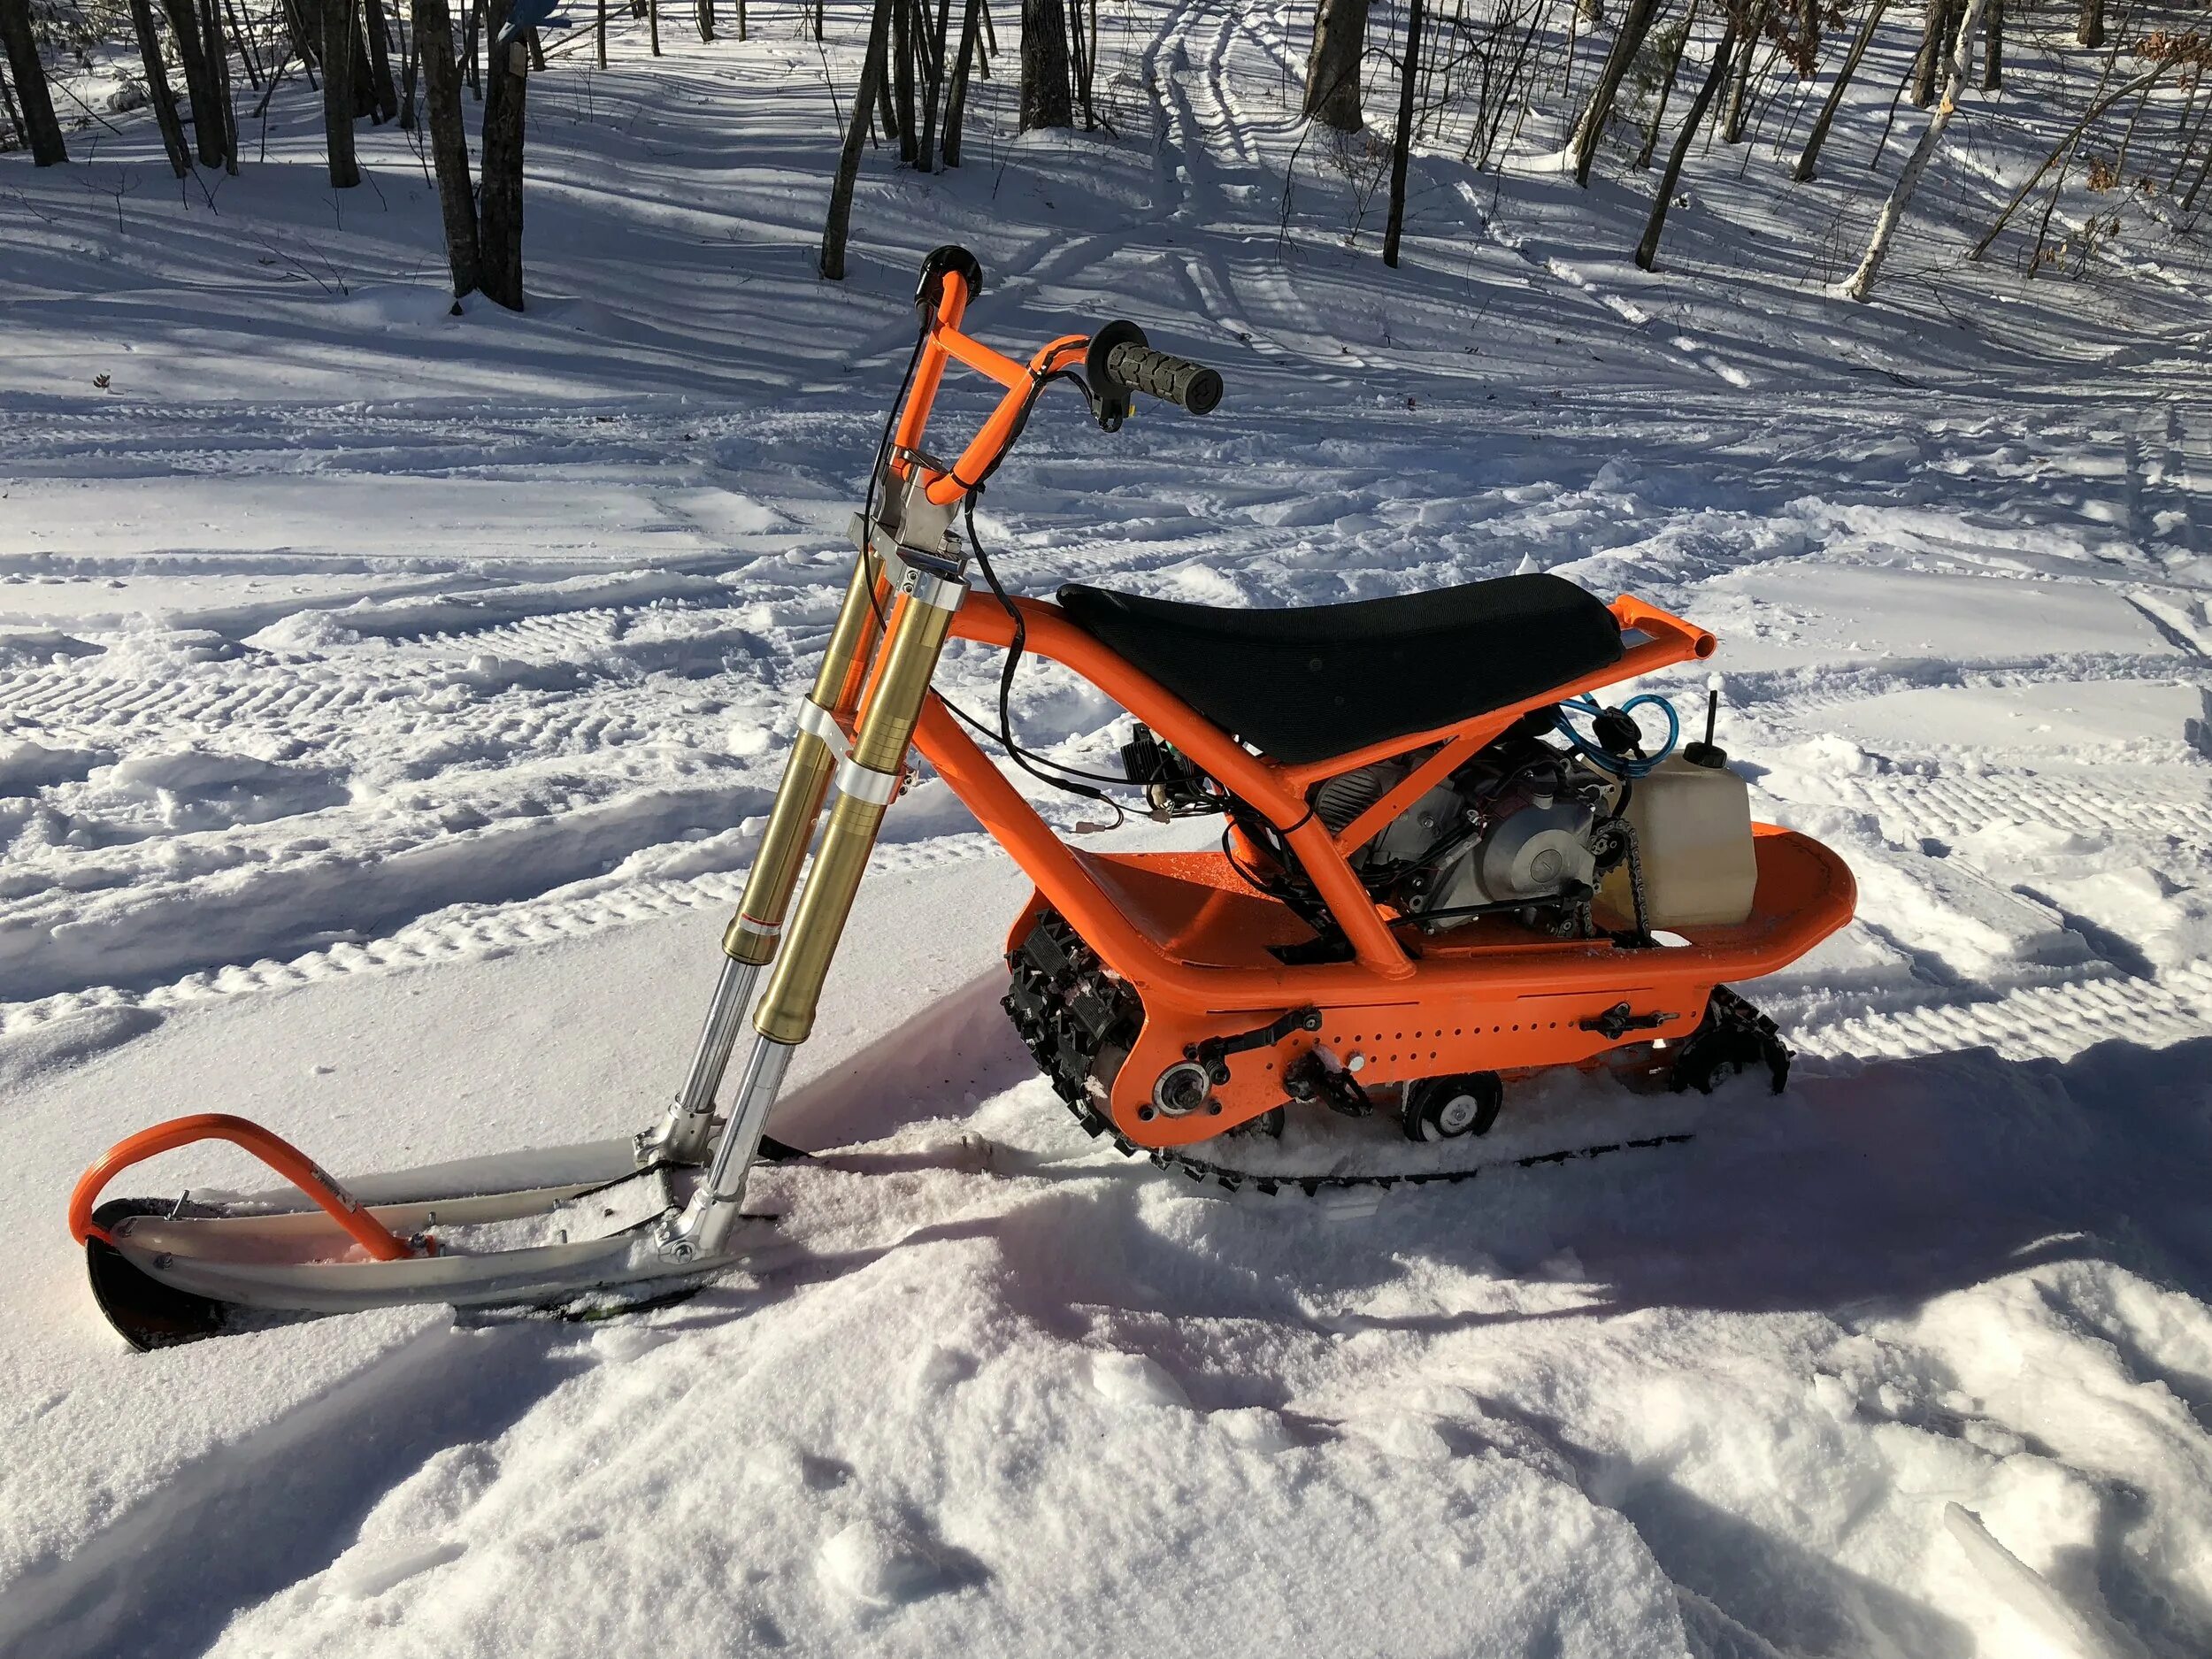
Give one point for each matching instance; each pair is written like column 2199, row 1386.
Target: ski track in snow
column 382, row 764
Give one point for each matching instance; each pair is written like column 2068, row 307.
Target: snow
column 389, row 702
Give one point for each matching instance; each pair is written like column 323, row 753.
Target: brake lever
column 1111, row 402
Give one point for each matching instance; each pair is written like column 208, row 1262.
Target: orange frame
column 1194, row 940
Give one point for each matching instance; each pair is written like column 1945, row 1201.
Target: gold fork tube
column 749, row 942
column 887, row 726
column 751, row 936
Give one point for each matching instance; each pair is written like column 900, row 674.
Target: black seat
column 1305, row 684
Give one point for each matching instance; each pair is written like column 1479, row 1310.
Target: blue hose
column 1620, row 766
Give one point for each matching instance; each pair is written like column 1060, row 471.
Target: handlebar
column 1163, row 375
column 1115, row 362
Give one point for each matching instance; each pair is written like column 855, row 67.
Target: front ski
column 585, row 1226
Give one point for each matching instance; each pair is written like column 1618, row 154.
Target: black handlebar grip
column 1172, row 378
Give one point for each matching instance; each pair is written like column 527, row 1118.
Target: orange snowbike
column 1442, row 863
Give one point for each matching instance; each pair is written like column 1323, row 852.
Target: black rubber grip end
column 930, row 289
column 1173, row 379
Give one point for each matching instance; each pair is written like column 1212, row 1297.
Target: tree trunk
column 2065, row 146
column 29, row 76
column 2090, row 28
column 903, row 75
column 305, row 37
column 1739, row 94
column 1647, row 250
column 157, row 93
column 932, row 79
column 1927, row 66
column 653, row 23
column 839, row 224
column 1634, row 26
column 1993, row 46
column 956, row 94
column 1861, row 282
column 703, row 14
column 499, row 206
column 7, row 103
column 602, row 34
column 381, row 64
column 449, row 139
column 207, row 121
column 243, row 34
column 1402, row 140
column 217, row 49
column 1046, row 98
column 1666, row 89
column 1076, row 71
column 1808, row 162
column 336, row 17
column 1332, row 66
column 410, row 72
column 364, row 100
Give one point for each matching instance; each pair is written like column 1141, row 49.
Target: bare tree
column 217, row 47
column 1927, row 64
column 2065, row 146
column 1739, row 93
column 1332, row 66
column 2089, row 27
column 449, row 139
column 1046, row 99
column 1681, row 39
column 199, row 80
column 385, row 91
column 1809, row 161
column 831, row 264
column 933, row 77
column 1993, row 46
column 1647, row 250
column 1634, row 26
column 499, row 200
column 1861, row 281
column 1402, row 140
column 337, row 48
column 157, row 92
column 956, row 95
column 903, row 76
column 39, row 127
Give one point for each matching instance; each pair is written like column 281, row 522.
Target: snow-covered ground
column 388, row 703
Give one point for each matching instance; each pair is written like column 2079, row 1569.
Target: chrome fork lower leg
column 683, row 1133
column 703, row 1229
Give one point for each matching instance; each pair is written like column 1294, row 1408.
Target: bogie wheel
column 1446, row 1108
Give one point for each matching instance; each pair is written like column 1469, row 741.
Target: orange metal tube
column 1527, row 968
column 979, row 357
column 1447, row 759
column 998, row 432
column 1278, row 792
column 274, row 1150
column 951, row 305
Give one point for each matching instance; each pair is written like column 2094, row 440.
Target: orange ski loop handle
column 274, row 1150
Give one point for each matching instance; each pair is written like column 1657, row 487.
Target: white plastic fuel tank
column 1693, row 838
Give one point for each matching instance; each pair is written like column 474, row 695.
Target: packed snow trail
column 390, row 700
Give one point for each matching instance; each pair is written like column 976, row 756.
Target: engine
column 1525, row 827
